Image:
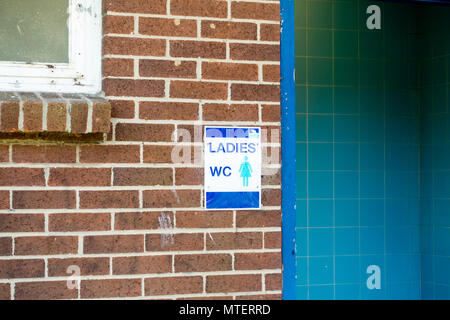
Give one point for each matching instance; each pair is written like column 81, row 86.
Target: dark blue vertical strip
column 288, row 146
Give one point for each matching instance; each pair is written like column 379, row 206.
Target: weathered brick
column 43, row 154
column 122, row 109
column 109, row 154
column 144, row 132
column 174, row 242
column 171, row 198
column 188, row 176
column 22, row 223
column 4, row 199
column 271, row 197
column 80, row 177
column 45, row 245
column 78, row 117
column 259, row 297
column 5, row 246
column 201, row 8
column 271, row 113
column 234, row 240
column 118, row 24
column 44, row 290
column 56, row 116
column 101, row 116
column 202, row 262
column 229, row 71
column 258, row 219
column 257, row 261
column 56, row 199
column 133, row 88
column 143, row 176
column 173, row 285
column 229, row 30
column 167, row 69
column 118, row 67
column 4, row 153
column 273, row 281
column 272, row 240
column 32, row 116
column 233, row 283
column 61, row 222
column 255, row 92
column 198, row 90
column 158, row 154
column 204, row 219
column 5, row 291
column 88, row 266
column 255, row 10
column 198, row 49
column 109, row 199
column 22, row 268
column 257, row 52
column 168, row 111
column 113, row 244
column 134, row 46
column 22, row 177
column 142, row 265
column 230, row 112
column 141, row 220
column 270, row 32
column 136, row 6
column 271, row 73
column 168, row 27
column 9, row 121
column 110, row 288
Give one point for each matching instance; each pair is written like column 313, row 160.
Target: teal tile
column 320, row 241
column 321, row 292
column 300, row 13
column 300, row 127
column 345, row 44
column 319, row 14
column 320, row 156
column 320, row 213
column 320, row 128
column 346, row 128
column 346, row 15
column 345, row 72
column 300, row 99
column 345, row 100
column 320, row 270
column 371, row 45
column 371, row 73
column 346, row 213
column 300, row 71
column 320, row 43
column 300, row 42
column 320, row 185
column 346, row 156
column 347, row 243
column 347, row 268
column 320, row 99
column 320, row 71
column 300, row 156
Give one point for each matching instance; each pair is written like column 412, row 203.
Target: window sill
column 53, row 113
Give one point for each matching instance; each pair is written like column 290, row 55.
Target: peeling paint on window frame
column 83, row 72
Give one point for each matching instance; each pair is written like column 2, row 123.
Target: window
column 50, row 46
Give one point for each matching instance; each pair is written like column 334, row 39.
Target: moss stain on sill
column 50, row 137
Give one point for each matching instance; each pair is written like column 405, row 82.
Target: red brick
column 229, row 30
column 109, row 154
column 109, row 199
column 188, row 176
column 202, row 262
column 88, row 266
column 255, row 11
column 174, row 242
column 134, row 46
column 118, row 24
column 229, row 71
column 158, row 154
column 5, row 291
column 123, row 109
column 171, row 198
column 118, row 67
column 270, row 32
column 273, row 281
column 258, row 219
column 272, row 240
column 200, row 8
column 234, row 240
column 230, row 112
column 140, row 220
column 198, row 49
column 110, row 288
column 142, row 265
column 271, row 113
column 207, row 298
column 9, row 121
column 101, row 117
column 255, row 92
column 168, row 111
column 78, row 117
column 45, row 245
column 271, row 176
column 133, row 88
column 4, row 199
column 22, row 177
column 32, row 116
column 259, row 297
column 22, row 268
column 257, row 261
column 80, row 177
column 168, row 27
column 61, row 222
column 64, row 199
column 271, row 73
column 5, row 246
column 173, row 285
column 43, row 154
column 198, row 90
column 136, row 6
column 48, row 290
column 271, row 197
column 144, row 132
column 257, row 52
column 143, row 176
column 113, row 244
column 22, row 222
column 167, row 69
column 4, row 153
column 204, row 219
column 56, row 116
column 233, row 283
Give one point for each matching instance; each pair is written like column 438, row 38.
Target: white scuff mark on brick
column 212, row 239
column 177, row 62
column 212, row 25
column 165, row 223
column 176, row 195
column 177, row 22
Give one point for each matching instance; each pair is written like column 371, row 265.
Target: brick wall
column 122, row 211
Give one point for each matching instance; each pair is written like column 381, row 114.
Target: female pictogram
column 246, row 171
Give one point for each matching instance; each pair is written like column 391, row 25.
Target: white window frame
column 83, row 72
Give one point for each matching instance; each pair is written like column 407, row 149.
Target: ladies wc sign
column 232, row 168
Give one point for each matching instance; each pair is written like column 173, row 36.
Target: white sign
column 232, row 168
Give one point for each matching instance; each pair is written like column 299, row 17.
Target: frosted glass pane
column 34, row 31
